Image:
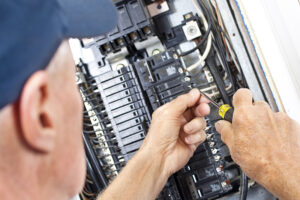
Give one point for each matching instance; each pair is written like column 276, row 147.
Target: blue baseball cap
column 32, row 30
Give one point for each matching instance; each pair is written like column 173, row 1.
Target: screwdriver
column 225, row 111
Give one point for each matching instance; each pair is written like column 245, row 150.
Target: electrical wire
column 227, row 42
column 219, row 29
column 199, row 44
column 218, row 44
column 208, row 26
column 244, row 186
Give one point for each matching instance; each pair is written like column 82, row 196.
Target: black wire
column 244, row 186
column 235, row 55
column 218, row 43
column 203, row 40
column 220, row 47
column 218, row 79
column 219, row 29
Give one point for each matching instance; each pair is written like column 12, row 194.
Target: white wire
column 201, row 61
column 200, row 13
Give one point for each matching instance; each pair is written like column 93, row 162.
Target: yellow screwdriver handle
column 226, row 112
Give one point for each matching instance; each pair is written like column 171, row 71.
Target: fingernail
column 188, row 140
column 194, row 93
column 217, row 125
column 187, row 128
column 194, row 147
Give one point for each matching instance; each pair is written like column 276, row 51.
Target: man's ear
column 36, row 115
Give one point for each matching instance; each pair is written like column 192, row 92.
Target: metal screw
column 187, row 79
column 214, row 151
column 180, row 70
column 77, row 78
column 175, row 56
column 224, row 184
column 217, row 158
column 192, row 30
column 119, row 66
column 155, row 52
column 187, row 16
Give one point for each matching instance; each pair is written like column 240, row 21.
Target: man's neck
column 20, row 176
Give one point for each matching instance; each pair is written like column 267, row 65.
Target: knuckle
column 241, row 115
column 203, row 135
column 234, row 155
column 224, row 138
column 240, row 93
column 180, row 98
column 262, row 104
column 158, row 111
column 281, row 116
column 165, row 112
column 243, row 91
column 155, row 113
column 203, row 122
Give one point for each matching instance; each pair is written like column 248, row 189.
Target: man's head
column 41, row 131
column 41, row 149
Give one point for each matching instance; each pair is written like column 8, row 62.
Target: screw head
column 175, row 56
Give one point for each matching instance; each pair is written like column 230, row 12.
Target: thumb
column 225, row 129
column 183, row 102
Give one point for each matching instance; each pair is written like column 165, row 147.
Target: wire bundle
column 217, row 38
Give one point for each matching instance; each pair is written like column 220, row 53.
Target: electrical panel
column 159, row 50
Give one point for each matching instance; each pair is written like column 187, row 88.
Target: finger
column 196, row 138
column 187, row 116
column 243, row 97
column 159, row 110
column 225, row 129
column 203, row 99
column 262, row 104
column 193, row 147
column 195, row 125
column 202, row 110
column 183, row 102
column 191, row 113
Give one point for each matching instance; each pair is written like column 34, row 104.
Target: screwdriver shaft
column 211, row 100
column 225, row 111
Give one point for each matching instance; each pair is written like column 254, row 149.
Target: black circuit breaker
column 205, row 176
column 134, row 25
column 162, row 77
column 129, row 96
column 126, row 109
column 209, row 172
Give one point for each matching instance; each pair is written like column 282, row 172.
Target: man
column 41, row 149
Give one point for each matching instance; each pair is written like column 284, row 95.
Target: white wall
column 274, row 26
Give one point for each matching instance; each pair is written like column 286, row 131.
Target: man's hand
column 177, row 129
column 265, row 144
column 175, row 133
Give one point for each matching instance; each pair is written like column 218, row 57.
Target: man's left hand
column 177, row 129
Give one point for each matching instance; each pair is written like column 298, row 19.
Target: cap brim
column 88, row 18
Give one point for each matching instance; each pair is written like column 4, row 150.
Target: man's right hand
column 265, row 144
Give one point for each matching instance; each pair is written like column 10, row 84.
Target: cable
column 244, row 186
column 218, row 29
column 199, row 44
column 218, row 45
column 234, row 57
column 208, row 26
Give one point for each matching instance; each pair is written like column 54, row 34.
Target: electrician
column 41, row 149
